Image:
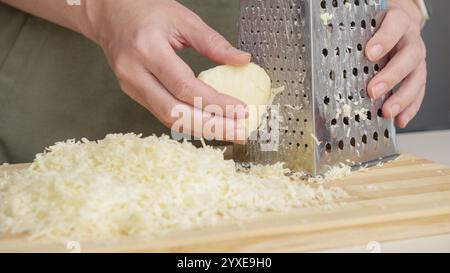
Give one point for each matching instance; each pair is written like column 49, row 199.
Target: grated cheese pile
column 126, row 185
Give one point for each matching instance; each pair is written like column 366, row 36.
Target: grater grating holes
column 346, row 75
column 353, row 142
column 380, row 113
column 374, row 23
column 375, row 136
column 328, row 148
column 363, row 24
column 369, row 115
column 341, row 145
column 364, row 139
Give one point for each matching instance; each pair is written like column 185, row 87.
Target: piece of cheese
column 126, row 185
column 249, row 83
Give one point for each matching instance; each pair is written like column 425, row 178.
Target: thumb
column 212, row 45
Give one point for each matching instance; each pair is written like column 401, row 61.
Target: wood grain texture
column 405, row 199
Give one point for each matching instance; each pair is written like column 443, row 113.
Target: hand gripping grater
column 315, row 50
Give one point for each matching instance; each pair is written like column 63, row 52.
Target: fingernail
column 379, row 89
column 375, row 52
column 395, row 110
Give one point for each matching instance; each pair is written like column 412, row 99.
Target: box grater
column 315, row 50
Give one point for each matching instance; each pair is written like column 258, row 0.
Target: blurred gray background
column 435, row 113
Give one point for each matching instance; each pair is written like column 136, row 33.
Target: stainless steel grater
column 315, row 50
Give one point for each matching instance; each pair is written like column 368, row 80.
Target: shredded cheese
column 347, row 110
column 380, row 164
column 362, row 113
column 126, row 185
column 317, row 141
column 334, row 173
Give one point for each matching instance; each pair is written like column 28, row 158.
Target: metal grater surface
column 315, row 50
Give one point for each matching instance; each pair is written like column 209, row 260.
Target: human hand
column 400, row 38
column 139, row 39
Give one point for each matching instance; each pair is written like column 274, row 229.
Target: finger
column 217, row 128
column 211, row 44
column 180, row 80
column 145, row 89
column 150, row 93
column 188, row 120
column 411, row 111
column 395, row 25
column 407, row 94
column 398, row 68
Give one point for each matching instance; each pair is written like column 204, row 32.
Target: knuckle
column 417, row 57
column 121, row 69
column 415, row 29
column 140, row 41
column 423, row 74
column 422, row 95
column 421, row 51
column 422, row 82
column 416, row 53
column 193, row 20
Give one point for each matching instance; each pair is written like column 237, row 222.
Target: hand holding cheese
column 249, row 83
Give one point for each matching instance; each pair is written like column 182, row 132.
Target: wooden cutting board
column 405, row 199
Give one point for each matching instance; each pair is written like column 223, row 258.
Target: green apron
column 56, row 85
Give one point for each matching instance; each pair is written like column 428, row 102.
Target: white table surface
column 430, row 145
